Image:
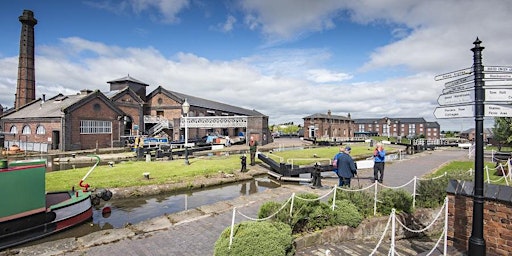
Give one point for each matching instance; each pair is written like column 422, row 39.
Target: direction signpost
column 486, row 91
column 460, row 87
column 504, row 94
column 498, row 110
column 498, row 83
column 455, row 112
column 497, row 69
column 453, row 74
column 498, row 75
column 456, row 98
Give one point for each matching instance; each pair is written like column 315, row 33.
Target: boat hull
column 64, row 210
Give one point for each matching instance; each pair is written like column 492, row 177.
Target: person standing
column 253, row 147
column 335, row 160
column 346, row 167
column 379, row 158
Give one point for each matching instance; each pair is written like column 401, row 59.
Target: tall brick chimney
column 26, row 86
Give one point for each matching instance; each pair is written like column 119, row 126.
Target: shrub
column 361, row 199
column 310, row 214
column 388, row 199
column 270, row 208
column 346, row 213
column 432, row 192
column 256, row 238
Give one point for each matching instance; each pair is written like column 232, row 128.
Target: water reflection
column 135, row 210
column 124, row 211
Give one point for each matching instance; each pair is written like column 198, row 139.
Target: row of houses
column 331, row 126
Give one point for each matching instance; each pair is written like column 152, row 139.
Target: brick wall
column 497, row 213
column 49, row 126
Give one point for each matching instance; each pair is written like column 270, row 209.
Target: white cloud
column 326, row 76
column 288, row 19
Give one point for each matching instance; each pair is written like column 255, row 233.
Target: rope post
column 487, row 173
column 375, row 199
column 291, row 204
column 414, row 193
column 393, row 217
column 334, row 197
column 445, row 247
column 232, row 227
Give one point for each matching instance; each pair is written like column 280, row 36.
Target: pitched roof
column 127, row 78
column 53, row 107
column 326, row 116
column 115, row 94
column 204, row 103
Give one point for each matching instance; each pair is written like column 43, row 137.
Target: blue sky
column 287, row 59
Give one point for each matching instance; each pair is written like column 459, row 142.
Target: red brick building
column 414, row 127
column 92, row 119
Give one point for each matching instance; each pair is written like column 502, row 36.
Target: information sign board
column 497, row 110
column 455, row 112
column 456, row 98
column 496, row 94
column 453, row 74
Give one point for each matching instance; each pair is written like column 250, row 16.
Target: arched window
column 40, row 130
column 26, row 130
column 14, row 129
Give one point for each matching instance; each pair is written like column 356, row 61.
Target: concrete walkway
column 195, row 231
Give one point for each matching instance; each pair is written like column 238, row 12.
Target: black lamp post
column 186, row 108
column 476, row 241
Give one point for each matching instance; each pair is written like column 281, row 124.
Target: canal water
column 135, row 210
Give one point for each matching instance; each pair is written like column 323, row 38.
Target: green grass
column 465, row 166
column 128, row 174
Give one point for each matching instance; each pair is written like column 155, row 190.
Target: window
column 26, row 129
column 40, row 130
column 14, row 129
column 95, row 127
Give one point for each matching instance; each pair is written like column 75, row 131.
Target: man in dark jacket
column 346, row 167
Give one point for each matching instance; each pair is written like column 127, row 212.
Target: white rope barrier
column 356, row 190
column 375, row 199
column 381, row 237
column 268, row 217
column 393, row 228
column 414, row 193
column 334, row 197
column 316, row 199
column 392, row 219
column 428, row 226
column 409, row 182
column 232, row 227
column 435, row 178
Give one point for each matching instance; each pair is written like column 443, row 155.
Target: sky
column 284, row 58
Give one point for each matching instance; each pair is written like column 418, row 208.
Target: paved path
column 194, row 232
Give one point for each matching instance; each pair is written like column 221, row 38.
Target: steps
column 412, row 246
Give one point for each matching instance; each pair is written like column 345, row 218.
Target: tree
column 502, row 131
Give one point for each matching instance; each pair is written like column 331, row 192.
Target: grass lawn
column 463, row 167
column 128, row 174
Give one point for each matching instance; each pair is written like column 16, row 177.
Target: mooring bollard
column 317, row 177
column 243, row 162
